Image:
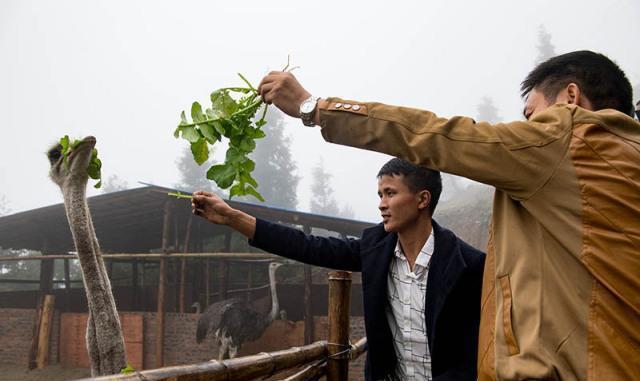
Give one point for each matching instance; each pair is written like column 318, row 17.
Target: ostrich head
column 273, row 266
column 74, row 172
column 196, row 306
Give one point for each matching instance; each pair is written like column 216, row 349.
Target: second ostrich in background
column 234, row 321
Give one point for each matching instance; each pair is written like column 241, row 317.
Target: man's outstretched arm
column 517, row 157
column 335, row 253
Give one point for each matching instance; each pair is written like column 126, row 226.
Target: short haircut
column 599, row 79
column 416, row 178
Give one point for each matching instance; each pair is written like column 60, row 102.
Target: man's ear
column 573, row 95
column 424, row 199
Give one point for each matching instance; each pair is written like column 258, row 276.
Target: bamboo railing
column 330, row 358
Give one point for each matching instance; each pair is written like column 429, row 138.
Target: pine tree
column 487, row 112
column 193, row 177
column 546, row 49
column 322, row 200
column 4, row 209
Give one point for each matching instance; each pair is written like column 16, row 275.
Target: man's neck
column 413, row 239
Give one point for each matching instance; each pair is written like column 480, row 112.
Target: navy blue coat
column 452, row 306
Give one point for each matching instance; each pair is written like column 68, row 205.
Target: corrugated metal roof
column 131, row 221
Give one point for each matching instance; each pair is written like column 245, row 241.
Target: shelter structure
column 160, row 260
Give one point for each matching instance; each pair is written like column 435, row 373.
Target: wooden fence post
column 42, row 357
column 308, row 300
column 183, row 263
column 161, row 284
column 339, row 303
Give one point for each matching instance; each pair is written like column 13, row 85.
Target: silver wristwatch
column 307, row 107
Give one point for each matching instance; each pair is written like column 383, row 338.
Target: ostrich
column 234, row 321
column 105, row 342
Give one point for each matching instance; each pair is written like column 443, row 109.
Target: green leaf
column 183, row 118
column 98, row 184
column 236, row 190
column 248, row 166
column 196, row 113
column 233, row 155
column 222, row 104
column 246, row 177
column 247, row 145
column 200, row 151
column 127, row 369
column 259, row 134
column 190, row 134
column 219, row 127
column 222, row 174
column 94, row 171
column 64, row 142
column 250, row 190
column 261, row 123
column 209, row 133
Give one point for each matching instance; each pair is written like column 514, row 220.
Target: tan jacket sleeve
column 517, row 157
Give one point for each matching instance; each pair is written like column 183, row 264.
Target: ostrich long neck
column 78, row 215
column 274, row 296
column 105, row 331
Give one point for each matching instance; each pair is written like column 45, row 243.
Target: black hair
column 599, row 79
column 416, row 178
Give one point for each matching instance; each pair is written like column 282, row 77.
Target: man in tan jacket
column 561, row 288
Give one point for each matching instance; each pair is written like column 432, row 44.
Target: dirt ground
column 12, row 372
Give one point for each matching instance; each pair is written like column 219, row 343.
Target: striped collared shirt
column 405, row 311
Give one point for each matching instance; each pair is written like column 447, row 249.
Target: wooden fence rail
column 317, row 359
column 151, row 256
column 240, row 368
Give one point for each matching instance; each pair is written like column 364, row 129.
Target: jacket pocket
column 510, row 337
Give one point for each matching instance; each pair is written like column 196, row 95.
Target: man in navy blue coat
column 421, row 284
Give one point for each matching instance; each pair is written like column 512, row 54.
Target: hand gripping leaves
column 231, row 117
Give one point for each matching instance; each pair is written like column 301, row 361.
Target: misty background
column 123, row 72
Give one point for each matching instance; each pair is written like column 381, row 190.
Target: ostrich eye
column 54, row 154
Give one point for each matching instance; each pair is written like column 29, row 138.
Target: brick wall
column 16, row 328
column 179, row 341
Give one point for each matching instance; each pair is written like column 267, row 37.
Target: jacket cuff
column 259, row 235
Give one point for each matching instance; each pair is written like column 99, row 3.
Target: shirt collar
column 425, row 253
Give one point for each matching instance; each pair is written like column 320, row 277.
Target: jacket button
column 356, row 107
column 347, row 106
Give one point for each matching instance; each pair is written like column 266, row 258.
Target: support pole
column 183, row 263
column 250, row 282
column 224, row 270
column 67, row 285
column 161, row 285
column 135, row 303
column 207, row 283
column 339, row 302
column 35, row 333
column 42, row 358
column 308, row 300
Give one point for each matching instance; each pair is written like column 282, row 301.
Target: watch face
column 307, row 106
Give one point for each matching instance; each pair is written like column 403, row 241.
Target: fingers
column 202, row 193
column 266, row 92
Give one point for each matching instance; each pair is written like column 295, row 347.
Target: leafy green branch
column 232, row 116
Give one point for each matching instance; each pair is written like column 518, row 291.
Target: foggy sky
column 123, row 70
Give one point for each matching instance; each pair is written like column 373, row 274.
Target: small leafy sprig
column 94, row 170
column 179, row 195
column 231, row 115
